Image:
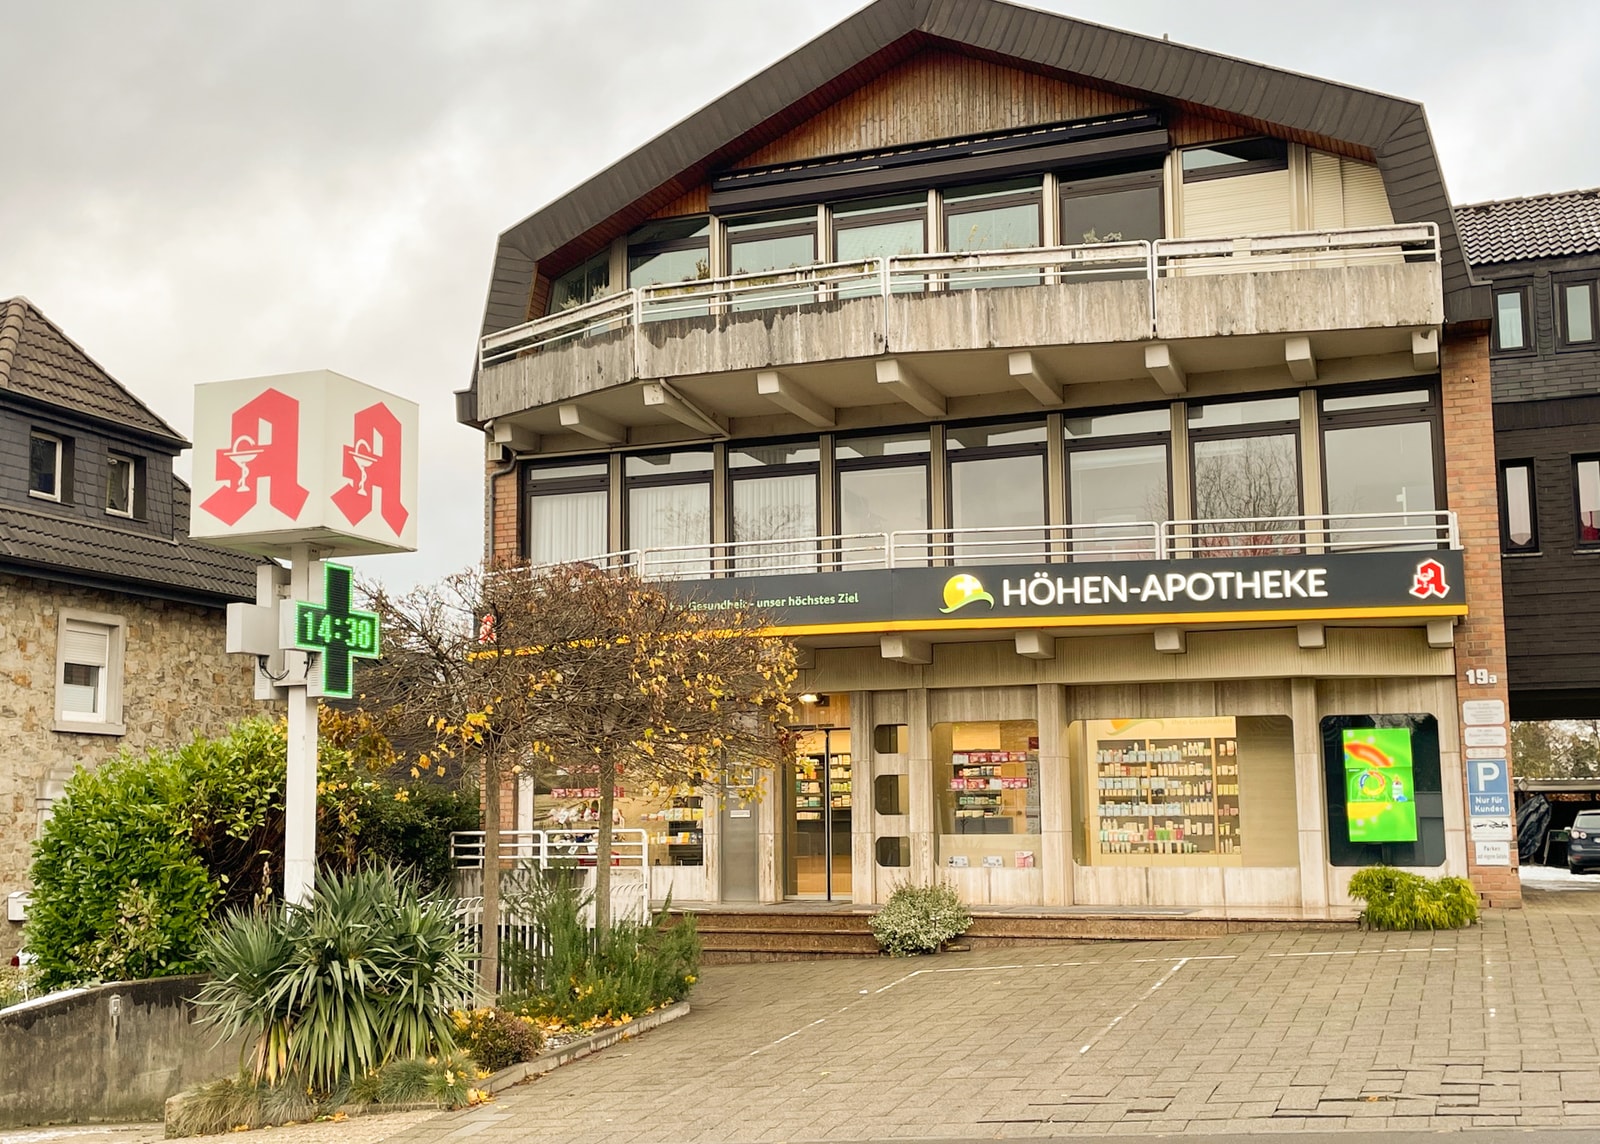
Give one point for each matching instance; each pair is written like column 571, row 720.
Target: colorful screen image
column 1379, row 794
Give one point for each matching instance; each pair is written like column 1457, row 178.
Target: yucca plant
column 367, row 972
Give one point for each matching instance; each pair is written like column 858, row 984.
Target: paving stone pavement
column 1497, row 1026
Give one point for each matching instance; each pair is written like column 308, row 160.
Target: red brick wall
column 500, row 533
column 1471, row 483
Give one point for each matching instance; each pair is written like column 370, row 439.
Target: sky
column 196, row 190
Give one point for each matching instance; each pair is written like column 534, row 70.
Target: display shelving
column 1168, row 795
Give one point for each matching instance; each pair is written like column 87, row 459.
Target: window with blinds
column 84, row 656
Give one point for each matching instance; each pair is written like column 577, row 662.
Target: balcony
column 1091, row 311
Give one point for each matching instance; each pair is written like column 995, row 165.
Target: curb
column 584, row 1046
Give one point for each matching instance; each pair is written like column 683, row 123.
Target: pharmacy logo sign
column 959, row 591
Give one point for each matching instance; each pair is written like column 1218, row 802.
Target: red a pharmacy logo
column 264, row 444
column 1429, row 581
column 372, row 464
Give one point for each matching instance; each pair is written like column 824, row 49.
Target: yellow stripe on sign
column 991, row 622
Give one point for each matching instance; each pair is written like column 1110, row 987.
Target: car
column 1583, row 843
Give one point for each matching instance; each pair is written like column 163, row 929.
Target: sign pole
column 300, row 797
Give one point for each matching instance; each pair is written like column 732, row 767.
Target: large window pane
column 777, row 243
column 882, row 228
column 581, row 284
column 883, row 501
column 776, row 508
column 1509, row 332
column 1516, row 509
column 1116, row 213
column 987, row 777
column 566, row 528
column 672, row 516
column 996, row 216
column 997, row 493
column 1586, row 476
column 1112, row 487
column 1254, row 481
column 1577, row 312
column 1380, row 469
column 675, row 250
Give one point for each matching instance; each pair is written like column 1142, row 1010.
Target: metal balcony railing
column 888, row 278
column 1310, row 534
column 551, row 848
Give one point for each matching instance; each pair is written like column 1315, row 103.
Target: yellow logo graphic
column 959, row 591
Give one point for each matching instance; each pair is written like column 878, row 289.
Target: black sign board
column 1202, row 590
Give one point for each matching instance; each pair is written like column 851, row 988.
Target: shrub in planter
column 919, row 919
column 1400, row 900
column 497, row 1038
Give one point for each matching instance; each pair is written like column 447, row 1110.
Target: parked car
column 1583, row 843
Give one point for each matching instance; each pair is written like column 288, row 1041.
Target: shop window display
column 672, row 824
column 987, row 776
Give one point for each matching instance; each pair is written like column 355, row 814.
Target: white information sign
column 1486, row 752
column 1491, row 829
column 1485, row 737
column 1492, row 853
column 1483, row 712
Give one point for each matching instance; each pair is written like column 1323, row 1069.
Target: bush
column 368, row 972
column 1399, row 900
column 919, row 919
column 497, row 1038
column 17, row 984
column 577, row 979
column 143, row 852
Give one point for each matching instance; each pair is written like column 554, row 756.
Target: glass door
column 817, row 814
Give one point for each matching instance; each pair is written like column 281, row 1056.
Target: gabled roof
column 1559, row 225
column 889, row 31
column 38, row 361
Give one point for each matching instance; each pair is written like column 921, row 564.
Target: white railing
column 884, row 278
column 1055, row 543
column 547, row 849
column 1325, row 532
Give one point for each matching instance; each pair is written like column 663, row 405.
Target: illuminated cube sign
column 1380, row 793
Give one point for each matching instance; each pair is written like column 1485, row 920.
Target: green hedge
column 1399, row 900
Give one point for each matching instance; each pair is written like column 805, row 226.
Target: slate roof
column 878, row 36
column 1558, row 225
column 38, row 361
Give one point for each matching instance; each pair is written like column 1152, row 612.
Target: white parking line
column 1148, row 993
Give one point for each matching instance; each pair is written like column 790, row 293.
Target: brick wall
column 1470, row 478
column 501, row 534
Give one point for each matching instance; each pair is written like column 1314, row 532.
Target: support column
column 300, row 792
column 1055, row 796
column 863, row 771
column 1310, row 803
column 919, row 733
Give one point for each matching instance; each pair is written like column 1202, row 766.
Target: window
column 1380, row 456
column 1236, row 157
column 1117, row 208
column 673, row 250
column 669, row 507
column 994, row 216
column 785, row 240
column 1575, row 312
column 120, row 479
column 1519, row 526
column 883, row 489
column 774, row 489
column 582, row 283
column 987, row 777
column 1511, row 334
column 1117, row 474
column 1246, row 473
column 567, row 512
column 997, row 492
column 1586, row 488
column 89, row 673
column 44, row 466
column 880, row 228
column 1383, row 789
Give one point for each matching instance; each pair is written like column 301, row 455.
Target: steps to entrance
column 798, row 933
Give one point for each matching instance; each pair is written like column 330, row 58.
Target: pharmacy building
column 1109, row 423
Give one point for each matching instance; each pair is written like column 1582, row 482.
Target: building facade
column 1541, row 256
column 112, row 623
column 1108, row 421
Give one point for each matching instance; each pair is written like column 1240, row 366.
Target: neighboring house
column 112, row 620
column 1542, row 255
column 1107, row 419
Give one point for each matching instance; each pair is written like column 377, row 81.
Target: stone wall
column 177, row 681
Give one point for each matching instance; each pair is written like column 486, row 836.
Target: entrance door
column 817, row 812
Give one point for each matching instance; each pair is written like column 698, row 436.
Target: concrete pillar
column 1055, row 796
column 1310, row 802
column 919, row 732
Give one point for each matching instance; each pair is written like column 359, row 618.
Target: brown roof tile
column 1540, row 226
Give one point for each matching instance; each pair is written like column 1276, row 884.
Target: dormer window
column 44, row 466
column 121, row 474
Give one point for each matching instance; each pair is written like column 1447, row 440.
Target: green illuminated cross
column 340, row 633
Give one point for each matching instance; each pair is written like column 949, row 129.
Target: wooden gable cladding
column 937, row 94
column 695, row 201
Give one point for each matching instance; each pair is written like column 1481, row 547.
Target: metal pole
column 300, row 795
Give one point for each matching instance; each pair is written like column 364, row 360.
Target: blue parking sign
column 1488, row 788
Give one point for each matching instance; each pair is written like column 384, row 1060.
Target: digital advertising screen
column 1380, row 795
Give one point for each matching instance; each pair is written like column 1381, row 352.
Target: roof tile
column 1540, row 226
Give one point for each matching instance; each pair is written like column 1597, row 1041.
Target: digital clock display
column 317, row 630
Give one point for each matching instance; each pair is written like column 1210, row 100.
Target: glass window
column 1247, row 489
column 775, row 499
column 1221, row 414
column 1113, row 487
column 1122, row 208
column 1586, row 481
column 987, row 777
column 774, row 242
column 674, row 250
column 44, row 466
column 1235, row 157
column 85, row 654
column 1518, row 520
column 993, row 216
column 883, row 489
column 1118, row 424
column 880, row 228
column 1510, row 320
column 1577, row 312
column 669, row 507
column 1204, row 791
column 1376, row 400
column 1383, row 788
column 119, row 485
column 567, row 512
column 997, row 486
column 581, row 284
column 1382, row 461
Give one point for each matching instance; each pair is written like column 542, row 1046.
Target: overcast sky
column 197, row 190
